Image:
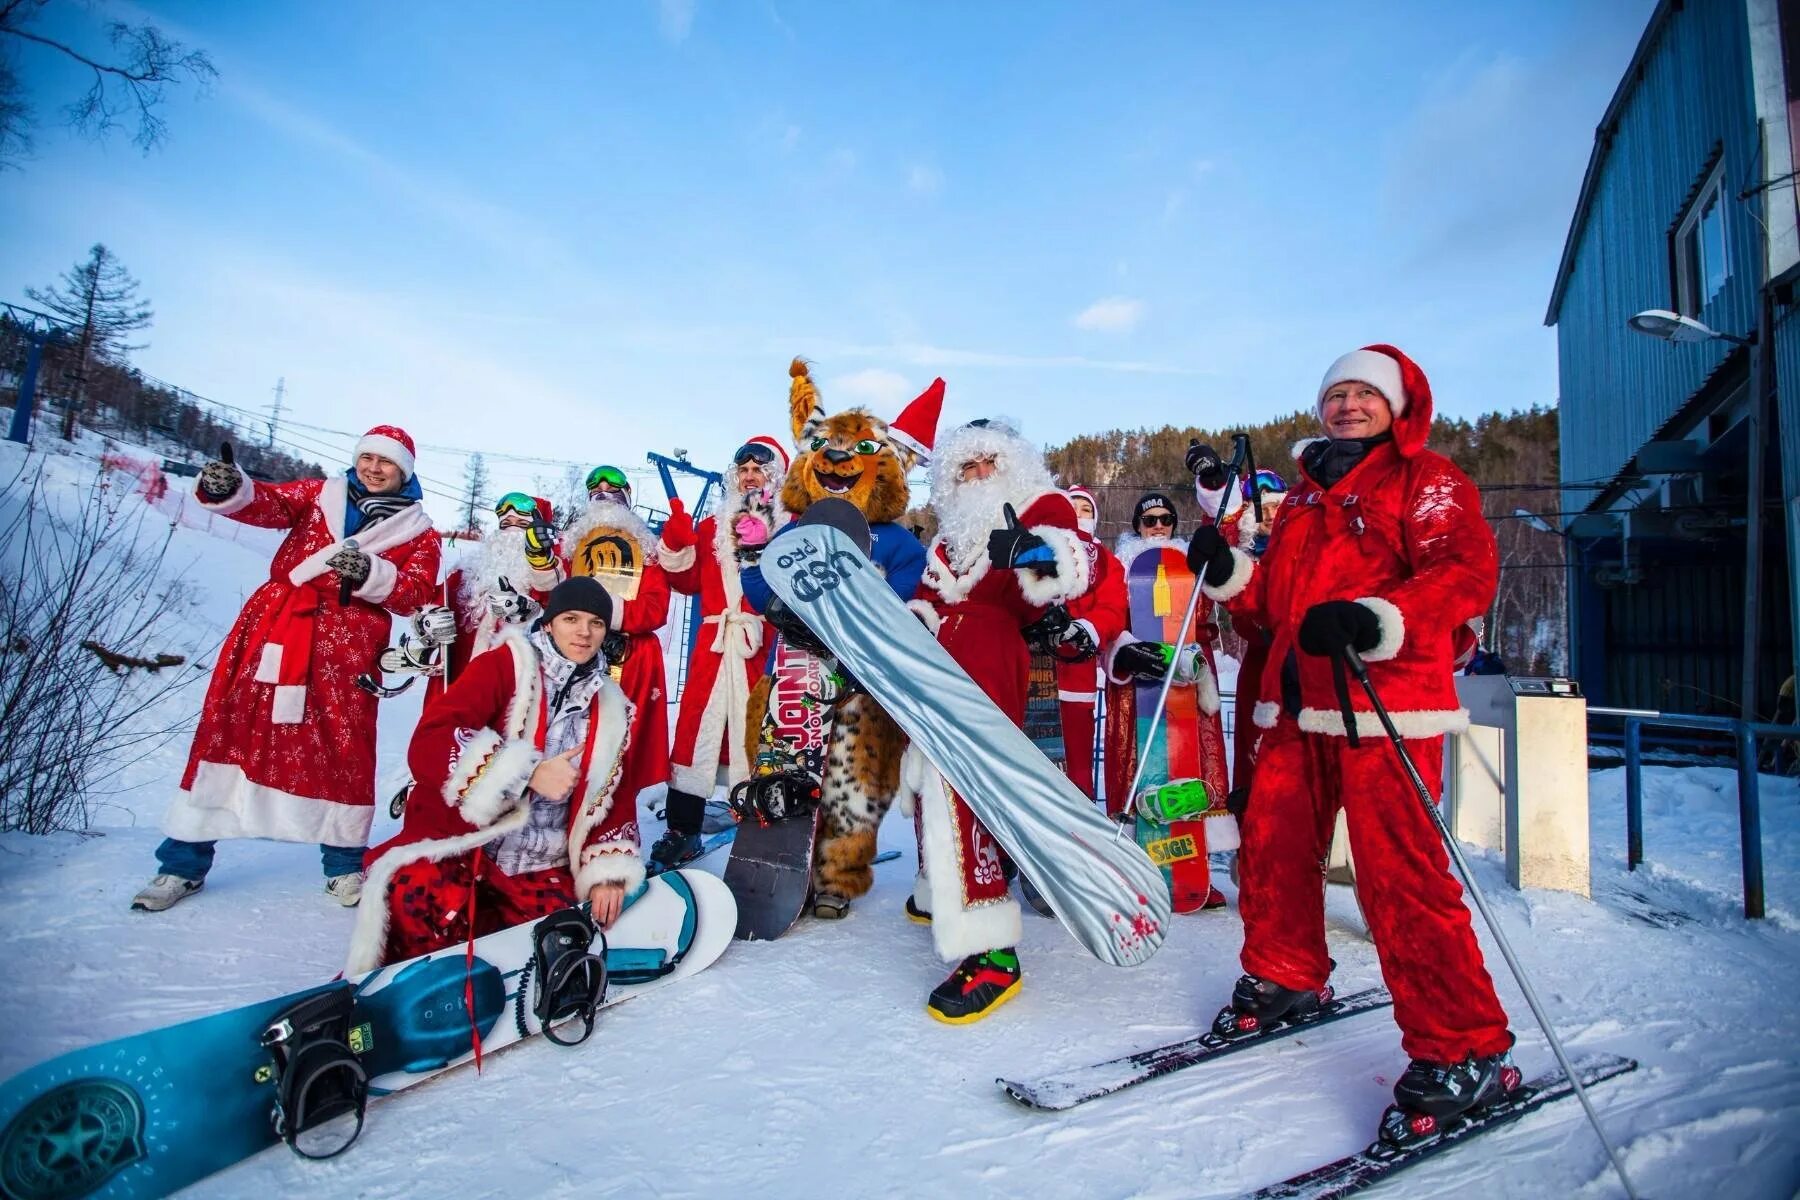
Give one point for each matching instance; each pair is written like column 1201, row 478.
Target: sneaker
column 672, row 850
column 165, row 891
column 830, row 907
column 915, row 914
column 347, row 888
column 980, row 984
column 1259, row 1004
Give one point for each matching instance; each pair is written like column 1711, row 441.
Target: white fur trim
column 268, row 663
column 368, row 939
column 1371, row 367
column 605, row 767
column 238, row 501
column 1266, row 714
column 392, row 449
column 1125, row 638
column 1393, row 628
column 609, row 862
column 542, row 580
column 496, row 778
column 399, row 529
column 1065, row 697
column 224, row 803
column 1209, row 500
column 289, row 705
column 1427, row 723
column 927, row 612
column 1206, row 687
column 942, row 578
column 380, row 583
column 913, row 769
column 1241, row 567
column 675, row 560
column 958, row 932
column 1074, row 568
column 1299, row 447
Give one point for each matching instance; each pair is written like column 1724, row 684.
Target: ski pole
column 1239, row 451
column 1358, row 668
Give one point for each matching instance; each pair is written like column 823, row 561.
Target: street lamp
column 1673, row 327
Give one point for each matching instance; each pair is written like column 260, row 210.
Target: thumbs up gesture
column 1014, row 546
column 540, row 545
column 554, row 778
column 220, row 479
column 678, row 530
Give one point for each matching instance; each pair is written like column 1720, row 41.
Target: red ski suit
column 1105, row 610
column 727, row 657
column 1403, row 534
column 472, row 756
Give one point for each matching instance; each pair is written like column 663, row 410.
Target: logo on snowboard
column 71, row 1140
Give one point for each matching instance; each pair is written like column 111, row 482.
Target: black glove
column 1144, row 661
column 1077, row 644
column 1047, row 630
column 540, row 545
column 1017, row 547
column 616, row 646
column 1204, row 462
column 1209, row 556
column 1331, row 625
column 788, row 624
column 351, row 564
column 220, row 479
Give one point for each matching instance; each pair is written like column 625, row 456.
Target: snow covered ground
column 807, row 1067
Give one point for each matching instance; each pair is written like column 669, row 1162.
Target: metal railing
column 1744, row 736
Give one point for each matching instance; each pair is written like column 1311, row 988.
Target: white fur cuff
column 497, row 778
column 926, row 612
column 380, row 583
column 1266, row 714
column 1393, row 628
column 239, row 500
column 1074, row 568
column 1241, row 569
column 1427, row 723
column 609, row 862
column 675, row 560
column 1106, row 661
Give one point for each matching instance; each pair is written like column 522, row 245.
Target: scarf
column 1330, row 459
column 363, row 507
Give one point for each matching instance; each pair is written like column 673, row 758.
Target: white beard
column 610, row 514
column 967, row 514
column 500, row 556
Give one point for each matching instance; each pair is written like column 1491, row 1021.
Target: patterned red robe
column 286, row 743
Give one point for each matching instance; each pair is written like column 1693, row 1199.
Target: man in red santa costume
column 727, row 656
column 522, row 803
column 612, row 543
column 1007, row 548
column 1380, row 546
column 502, row 581
column 1097, row 618
column 285, row 748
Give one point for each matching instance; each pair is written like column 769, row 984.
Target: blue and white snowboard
column 1103, row 888
column 145, row 1115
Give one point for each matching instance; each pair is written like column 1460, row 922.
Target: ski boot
column 1257, row 1005
column 915, row 914
column 671, row 850
column 1429, row 1096
column 980, row 984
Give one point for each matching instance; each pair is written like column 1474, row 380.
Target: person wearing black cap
column 521, row 804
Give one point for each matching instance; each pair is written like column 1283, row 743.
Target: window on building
column 1701, row 266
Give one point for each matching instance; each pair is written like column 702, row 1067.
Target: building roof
column 1603, row 139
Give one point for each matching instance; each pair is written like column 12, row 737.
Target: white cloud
column 881, row 390
column 1115, row 314
column 924, row 180
column 675, row 18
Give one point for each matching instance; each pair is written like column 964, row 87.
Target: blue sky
column 583, row 231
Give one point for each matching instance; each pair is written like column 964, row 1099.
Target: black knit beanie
column 581, row 593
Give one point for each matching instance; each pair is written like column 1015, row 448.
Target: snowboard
column 148, row 1114
column 1160, row 585
column 770, row 868
column 1101, row 886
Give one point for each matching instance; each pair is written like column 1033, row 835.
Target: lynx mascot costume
column 853, row 455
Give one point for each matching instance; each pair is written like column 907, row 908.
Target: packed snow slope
column 807, row 1067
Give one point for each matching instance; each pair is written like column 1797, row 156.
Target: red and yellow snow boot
column 980, row 984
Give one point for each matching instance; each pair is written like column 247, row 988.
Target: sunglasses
column 607, row 479
column 517, row 503
column 753, row 452
column 1158, row 519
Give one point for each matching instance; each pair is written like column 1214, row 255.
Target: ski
column 1367, row 1167
column 1078, row 1085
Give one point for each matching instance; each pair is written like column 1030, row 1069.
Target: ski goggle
column 753, row 452
column 1264, row 480
column 516, row 504
column 607, row 479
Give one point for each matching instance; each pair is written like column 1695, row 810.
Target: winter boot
column 165, row 891
column 672, row 849
column 1429, row 1096
column 915, row 914
column 1214, row 899
column 1257, row 1005
column 829, row 907
column 980, row 984
column 347, row 888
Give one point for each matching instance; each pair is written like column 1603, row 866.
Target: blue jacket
column 893, row 548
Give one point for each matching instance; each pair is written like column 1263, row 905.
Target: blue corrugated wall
column 1787, row 405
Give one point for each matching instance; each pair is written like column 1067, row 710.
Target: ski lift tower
column 39, row 330
column 668, row 466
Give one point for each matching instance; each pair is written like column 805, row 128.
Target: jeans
column 192, row 860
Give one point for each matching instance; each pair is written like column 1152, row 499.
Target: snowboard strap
column 321, row 1086
column 571, row 978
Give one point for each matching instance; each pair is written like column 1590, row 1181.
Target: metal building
column 1687, row 215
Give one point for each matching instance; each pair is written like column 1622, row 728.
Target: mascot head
column 851, row 455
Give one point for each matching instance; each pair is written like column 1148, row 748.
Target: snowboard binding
column 409, row 659
column 1179, row 801
column 571, row 978
column 321, row 1086
column 780, row 795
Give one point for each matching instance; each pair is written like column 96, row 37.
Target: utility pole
column 275, row 409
